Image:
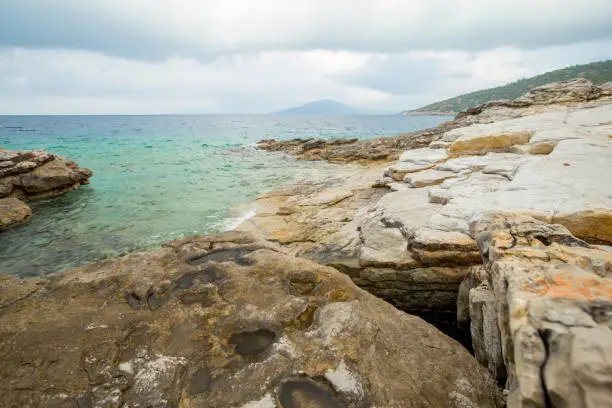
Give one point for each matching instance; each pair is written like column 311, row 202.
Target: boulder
column 54, row 177
column 26, row 174
column 13, row 212
column 222, row 321
column 574, row 90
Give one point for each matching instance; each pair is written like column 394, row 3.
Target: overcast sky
column 257, row 56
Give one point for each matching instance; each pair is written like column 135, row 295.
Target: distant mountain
column 322, row 107
column 597, row 72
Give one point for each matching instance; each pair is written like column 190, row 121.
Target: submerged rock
column 222, row 321
column 13, row 212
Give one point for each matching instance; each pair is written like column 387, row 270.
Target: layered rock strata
column 32, row 174
column 222, row 321
column 13, row 212
column 416, row 237
column 542, row 314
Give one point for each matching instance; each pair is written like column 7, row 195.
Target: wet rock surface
column 276, row 331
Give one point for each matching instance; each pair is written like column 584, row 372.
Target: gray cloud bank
column 157, row 56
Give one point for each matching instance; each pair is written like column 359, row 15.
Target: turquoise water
column 158, row 178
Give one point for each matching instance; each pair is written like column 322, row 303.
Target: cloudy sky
column 257, row 56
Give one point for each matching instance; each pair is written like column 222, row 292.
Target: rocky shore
column 496, row 227
column 28, row 175
column 499, row 222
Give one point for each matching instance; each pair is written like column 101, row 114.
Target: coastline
column 497, row 222
column 419, row 234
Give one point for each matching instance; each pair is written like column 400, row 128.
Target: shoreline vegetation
column 494, row 227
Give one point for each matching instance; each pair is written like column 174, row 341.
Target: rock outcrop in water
column 33, row 174
column 13, row 212
column 222, row 321
column 519, row 185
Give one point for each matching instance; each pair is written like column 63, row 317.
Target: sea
column 162, row 177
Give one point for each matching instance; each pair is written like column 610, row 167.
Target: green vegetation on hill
column 597, row 72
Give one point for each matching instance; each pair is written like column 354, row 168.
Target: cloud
column 257, row 56
column 428, row 76
column 158, row 29
column 68, row 81
column 54, row 81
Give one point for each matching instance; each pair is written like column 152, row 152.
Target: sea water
column 158, row 178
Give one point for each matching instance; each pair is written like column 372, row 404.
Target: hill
column 597, row 72
column 322, row 107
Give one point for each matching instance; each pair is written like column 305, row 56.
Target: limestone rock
column 425, row 156
column 25, row 174
column 605, row 89
column 549, row 98
column 574, row 90
column 222, row 321
column 529, row 190
column 428, row 178
column 553, row 312
column 484, row 143
column 57, row 175
column 13, row 212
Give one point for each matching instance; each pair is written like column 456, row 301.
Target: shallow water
column 158, row 178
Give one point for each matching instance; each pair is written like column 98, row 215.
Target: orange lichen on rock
column 571, row 287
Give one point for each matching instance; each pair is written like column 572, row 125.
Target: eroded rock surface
column 222, row 321
column 33, row 174
column 27, row 174
column 545, row 309
column 539, row 160
column 13, row 212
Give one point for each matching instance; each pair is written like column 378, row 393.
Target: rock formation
column 222, row 321
column 32, row 174
column 543, row 313
column 418, row 236
column 13, row 212
column 384, row 149
column 499, row 222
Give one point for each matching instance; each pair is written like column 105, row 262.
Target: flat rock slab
column 416, row 160
column 222, row 321
column 483, row 143
column 428, row 178
column 13, row 212
column 423, row 156
column 478, row 163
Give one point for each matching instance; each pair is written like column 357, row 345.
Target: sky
column 259, row 56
